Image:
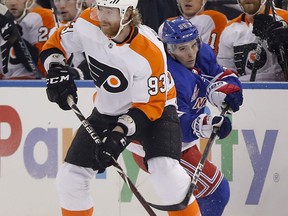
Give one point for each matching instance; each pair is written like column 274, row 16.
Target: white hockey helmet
column 123, row 5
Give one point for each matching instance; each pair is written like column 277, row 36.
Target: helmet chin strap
column 27, row 7
column 260, row 8
column 121, row 27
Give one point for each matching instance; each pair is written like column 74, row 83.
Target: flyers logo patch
column 244, row 56
column 107, row 77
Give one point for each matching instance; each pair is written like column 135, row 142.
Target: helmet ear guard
column 179, row 30
column 28, row 5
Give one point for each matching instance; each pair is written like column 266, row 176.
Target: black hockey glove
column 277, row 33
column 260, row 25
column 60, row 84
column 113, row 144
column 10, row 31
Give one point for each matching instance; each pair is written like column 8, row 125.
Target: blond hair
column 136, row 17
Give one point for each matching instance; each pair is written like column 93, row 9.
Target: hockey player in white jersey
column 69, row 10
column 33, row 25
column 240, row 38
column 128, row 66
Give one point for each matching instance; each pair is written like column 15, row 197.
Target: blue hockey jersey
column 191, row 86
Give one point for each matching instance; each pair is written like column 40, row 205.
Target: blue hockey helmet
column 179, row 30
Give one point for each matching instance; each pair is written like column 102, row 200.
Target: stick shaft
column 55, row 14
column 206, row 152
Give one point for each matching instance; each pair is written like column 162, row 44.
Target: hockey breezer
column 98, row 141
column 18, row 42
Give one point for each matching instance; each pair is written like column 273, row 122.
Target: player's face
column 109, row 19
column 88, row 3
column 186, row 53
column 16, row 7
column 190, row 7
column 250, row 6
column 67, row 9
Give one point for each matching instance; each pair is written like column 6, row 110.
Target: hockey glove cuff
column 133, row 122
column 222, row 94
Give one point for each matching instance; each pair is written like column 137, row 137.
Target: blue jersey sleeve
column 206, row 61
column 191, row 96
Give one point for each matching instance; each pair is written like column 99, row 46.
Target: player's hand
column 260, row 24
column 9, row 28
column 114, row 143
column 222, row 94
column 203, row 126
column 277, row 34
column 60, row 84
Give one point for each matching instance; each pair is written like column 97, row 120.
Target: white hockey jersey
column 35, row 27
column 10, row 66
column 237, row 51
column 130, row 74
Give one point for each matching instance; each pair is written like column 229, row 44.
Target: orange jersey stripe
column 220, row 21
column 47, row 23
column 55, row 41
column 156, row 61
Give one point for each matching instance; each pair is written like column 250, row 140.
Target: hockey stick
column 54, row 11
column 284, row 4
column 196, row 176
column 98, row 141
column 281, row 47
column 17, row 37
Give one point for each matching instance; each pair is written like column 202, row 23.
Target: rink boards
column 35, row 134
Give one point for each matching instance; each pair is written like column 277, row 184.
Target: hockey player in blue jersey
column 199, row 78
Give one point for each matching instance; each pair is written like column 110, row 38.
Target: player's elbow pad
column 52, row 56
column 133, row 122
